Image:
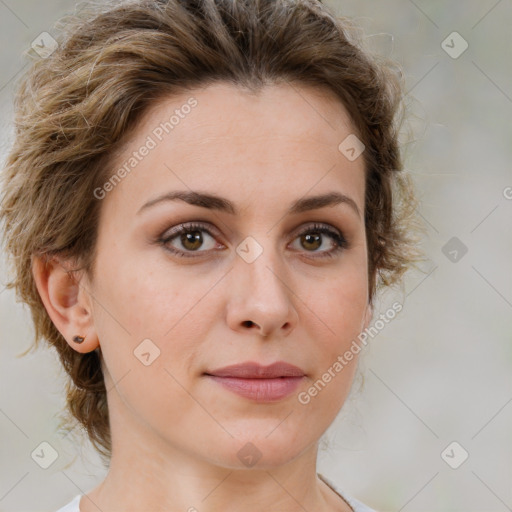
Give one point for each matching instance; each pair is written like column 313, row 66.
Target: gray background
column 442, row 370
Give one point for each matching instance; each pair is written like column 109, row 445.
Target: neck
column 148, row 472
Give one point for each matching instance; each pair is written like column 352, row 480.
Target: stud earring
column 78, row 339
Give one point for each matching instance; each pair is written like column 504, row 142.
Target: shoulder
column 72, row 506
column 356, row 505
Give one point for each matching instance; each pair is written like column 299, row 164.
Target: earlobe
column 66, row 302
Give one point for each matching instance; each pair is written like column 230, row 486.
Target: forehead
column 282, row 139
column 281, row 109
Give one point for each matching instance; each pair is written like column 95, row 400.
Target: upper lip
column 252, row 370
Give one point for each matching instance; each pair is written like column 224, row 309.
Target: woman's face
column 262, row 274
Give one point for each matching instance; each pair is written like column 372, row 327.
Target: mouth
column 259, row 383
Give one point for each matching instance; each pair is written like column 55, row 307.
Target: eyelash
column 340, row 241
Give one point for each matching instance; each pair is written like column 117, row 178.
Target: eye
column 312, row 238
column 189, row 236
column 189, row 239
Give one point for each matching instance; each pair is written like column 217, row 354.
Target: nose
column 261, row 297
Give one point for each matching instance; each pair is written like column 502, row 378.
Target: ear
column 66, row 300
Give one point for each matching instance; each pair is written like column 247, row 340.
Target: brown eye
column 192, row 240
column 187, row 239
column 313, row 238
column 311, row 241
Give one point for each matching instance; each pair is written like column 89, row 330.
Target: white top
column 357, row 506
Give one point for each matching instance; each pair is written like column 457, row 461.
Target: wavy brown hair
column 114, row 60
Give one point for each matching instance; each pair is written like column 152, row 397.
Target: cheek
column 146, row 299
column 340, row 307
column 141, row 311
column 338, row 320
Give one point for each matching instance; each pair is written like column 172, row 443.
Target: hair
column 113, row 61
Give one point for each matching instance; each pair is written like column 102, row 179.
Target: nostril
column 248, row 323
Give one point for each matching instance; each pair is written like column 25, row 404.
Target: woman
column 202, row 200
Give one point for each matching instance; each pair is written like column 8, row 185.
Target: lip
column 252, row 370
column 259, row 383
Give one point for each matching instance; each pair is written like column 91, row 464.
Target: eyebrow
column 214, row 202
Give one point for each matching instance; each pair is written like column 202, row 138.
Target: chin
column 263, row 449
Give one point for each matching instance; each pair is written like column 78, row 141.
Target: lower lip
column 260, row 390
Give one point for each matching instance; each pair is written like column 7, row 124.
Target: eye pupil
column 314, row 239
column 192, row 237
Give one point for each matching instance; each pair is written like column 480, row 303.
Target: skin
column 176, row 433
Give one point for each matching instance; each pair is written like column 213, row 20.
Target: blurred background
column 430, row 427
